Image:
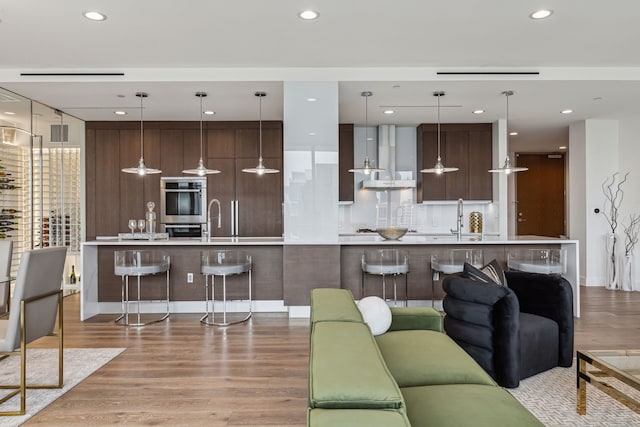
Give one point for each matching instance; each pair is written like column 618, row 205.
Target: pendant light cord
column 366, row 126
column 260, row 124
column 439, row 95
column 141, row 127
column 200, row 126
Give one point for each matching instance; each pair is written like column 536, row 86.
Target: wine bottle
column 8, row 186
column 72, row 278
column 7, row 223
column 9, row 211
column 8, row 216
column 6, row 180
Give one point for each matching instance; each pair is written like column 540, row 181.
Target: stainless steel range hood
column 390, row 179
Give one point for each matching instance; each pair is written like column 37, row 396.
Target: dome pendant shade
column 260, row 169
column 141, row 169
column 507, row 169
column 201, row 169
column 439, row 167
column 366, row 168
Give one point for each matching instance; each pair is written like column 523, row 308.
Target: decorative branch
column 613, row 199
column 631, row 233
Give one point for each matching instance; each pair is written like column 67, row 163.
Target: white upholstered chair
column 37, row 300
column 6, row 252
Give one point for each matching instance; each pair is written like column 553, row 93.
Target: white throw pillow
column 376, row 314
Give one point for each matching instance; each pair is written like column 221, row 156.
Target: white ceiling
column 586, row 53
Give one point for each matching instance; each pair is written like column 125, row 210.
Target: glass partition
column 40, row 179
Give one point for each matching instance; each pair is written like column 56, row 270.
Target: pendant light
column 201, row 169
column 507, row 168
column 366, row 167
column 439, row 168
column 260, row 169
column 141, row 169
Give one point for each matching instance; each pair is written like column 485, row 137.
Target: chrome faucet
column 458, row 230
column 209, row 215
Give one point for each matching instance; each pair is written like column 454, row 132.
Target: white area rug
column 551, row 397
column 42, row 366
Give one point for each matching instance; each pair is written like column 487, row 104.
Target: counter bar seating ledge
column 139, row 263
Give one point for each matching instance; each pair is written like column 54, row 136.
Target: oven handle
column 182, row 226
column 177, row 190
column 237, row 221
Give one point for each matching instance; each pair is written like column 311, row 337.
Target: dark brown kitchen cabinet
column 345, row 162
column 465, row 146
column 113, row 197
column 251, row 204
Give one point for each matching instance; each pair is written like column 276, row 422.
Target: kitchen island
column 284, row 273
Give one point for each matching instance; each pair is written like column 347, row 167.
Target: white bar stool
column 387, row 262
column 139, row 263
column 539, row 260
column 453, row 262
column 223, row 263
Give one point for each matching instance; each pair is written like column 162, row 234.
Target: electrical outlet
column 189, row 277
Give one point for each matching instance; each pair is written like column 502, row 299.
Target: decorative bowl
column 392, row 233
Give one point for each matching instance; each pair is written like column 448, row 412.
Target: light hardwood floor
column 181, row 373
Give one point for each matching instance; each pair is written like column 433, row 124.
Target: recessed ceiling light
column 209, row 112
column 10, row 113
column 308, row 15
column 312, row 134
column 395, row 86
column 513, row 133
column 389, row 112
column 478, row 111
column 312, row 99
column 120, row 113
column 563, row 147
column 541, row 14
column 566, row 111
column 120, row 95
column 94, row 15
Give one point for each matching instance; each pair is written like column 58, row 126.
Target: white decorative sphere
column 376, row 314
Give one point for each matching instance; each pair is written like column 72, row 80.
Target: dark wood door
column 540, row 195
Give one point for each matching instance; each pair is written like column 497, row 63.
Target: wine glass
column 142, row 224
column 132, row 225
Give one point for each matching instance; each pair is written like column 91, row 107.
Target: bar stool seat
column 543, row 261
column 453, row 262
column 140, row 263
column 386, row 262
column 223, row 263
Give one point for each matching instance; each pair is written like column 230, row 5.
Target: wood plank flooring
column 181, row 373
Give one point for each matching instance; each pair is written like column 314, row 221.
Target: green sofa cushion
column 415, row 318
column 417, row 358
column 347, row 369
column 329, row 304
column 356, row 417
column 463, row 405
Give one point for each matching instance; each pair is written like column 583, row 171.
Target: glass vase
column 627, row 274
column 611, row 261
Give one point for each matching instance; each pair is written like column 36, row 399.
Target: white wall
column 593, row 157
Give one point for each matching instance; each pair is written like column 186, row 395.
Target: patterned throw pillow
column 490, row 273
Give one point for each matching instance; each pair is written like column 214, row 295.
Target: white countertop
column 348, row 239
column 189, row 241
column 446, row 239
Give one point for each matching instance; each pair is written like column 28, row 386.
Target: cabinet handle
column 232, row 218
column 237, row 219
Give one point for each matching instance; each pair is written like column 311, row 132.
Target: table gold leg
column 581, row 398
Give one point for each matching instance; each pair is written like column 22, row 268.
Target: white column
column 500, row 180
column 593, row 157
column 310, row 162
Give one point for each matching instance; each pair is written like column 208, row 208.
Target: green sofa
column 413, row 375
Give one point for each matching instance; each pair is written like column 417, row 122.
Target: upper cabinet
column 345, row 162
column 113, row 197
column 465, row 146
column 251, row 204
